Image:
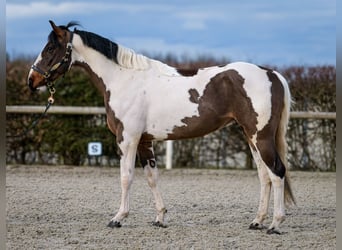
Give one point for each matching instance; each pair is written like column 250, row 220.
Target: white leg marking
column 279, row 206
column 265, row 190
column 126, row 173
column 268, row 180
column 152, row 179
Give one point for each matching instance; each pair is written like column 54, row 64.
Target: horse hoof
column 272, row 231
column 114, row 224
column 256, row 226
column 158, row 224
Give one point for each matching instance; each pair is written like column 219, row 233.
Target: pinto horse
column 147, row 100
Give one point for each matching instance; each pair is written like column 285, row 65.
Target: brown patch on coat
column 224, row 100
column 98, row 82
column 114, row 124
column 194, row 95
column 187, row 72
column 145, row 154
column 147, row 137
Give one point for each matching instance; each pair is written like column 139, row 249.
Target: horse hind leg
column 272, row 164
column 265, row 190
column 148, row 162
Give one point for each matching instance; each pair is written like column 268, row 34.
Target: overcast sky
column 291, row 32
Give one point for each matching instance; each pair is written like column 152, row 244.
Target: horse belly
column 171, row 126
column 198, row 127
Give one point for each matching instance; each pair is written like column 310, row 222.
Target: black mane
column 103, row 45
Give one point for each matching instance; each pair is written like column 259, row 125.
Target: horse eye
column 50, row 49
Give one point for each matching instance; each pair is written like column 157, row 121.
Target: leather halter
column 66, row 58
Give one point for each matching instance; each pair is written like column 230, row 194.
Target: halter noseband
column 65, row 59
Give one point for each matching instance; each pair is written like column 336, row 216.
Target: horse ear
column 59, row 32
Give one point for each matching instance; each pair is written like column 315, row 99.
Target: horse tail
column 281, row 143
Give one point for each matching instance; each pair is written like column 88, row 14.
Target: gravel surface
column 62, row 207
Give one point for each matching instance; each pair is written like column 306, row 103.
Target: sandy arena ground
column 69, row 207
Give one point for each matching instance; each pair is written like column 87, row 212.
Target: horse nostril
column 30, row 83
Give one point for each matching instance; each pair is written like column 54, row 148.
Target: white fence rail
column 66, row 110
column 71, row 110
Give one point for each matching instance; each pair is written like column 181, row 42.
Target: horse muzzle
column 30, row 84
column 35, row 81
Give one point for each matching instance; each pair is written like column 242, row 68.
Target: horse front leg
column 148, row 162
column 127, row 162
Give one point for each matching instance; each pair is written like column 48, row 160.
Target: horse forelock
column 53, row 36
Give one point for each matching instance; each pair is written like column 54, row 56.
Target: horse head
column 55, row 58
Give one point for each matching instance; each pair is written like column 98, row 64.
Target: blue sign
column 94, row 148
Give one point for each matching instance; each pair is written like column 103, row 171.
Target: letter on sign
column 94, row 148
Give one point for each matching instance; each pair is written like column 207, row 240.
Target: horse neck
column 120, row 72
column 102, row 70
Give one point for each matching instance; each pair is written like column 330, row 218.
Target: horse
column 147, row 100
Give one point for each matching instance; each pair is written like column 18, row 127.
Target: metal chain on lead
column 52, row 90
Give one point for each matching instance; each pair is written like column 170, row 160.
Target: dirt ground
column 69, row 207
